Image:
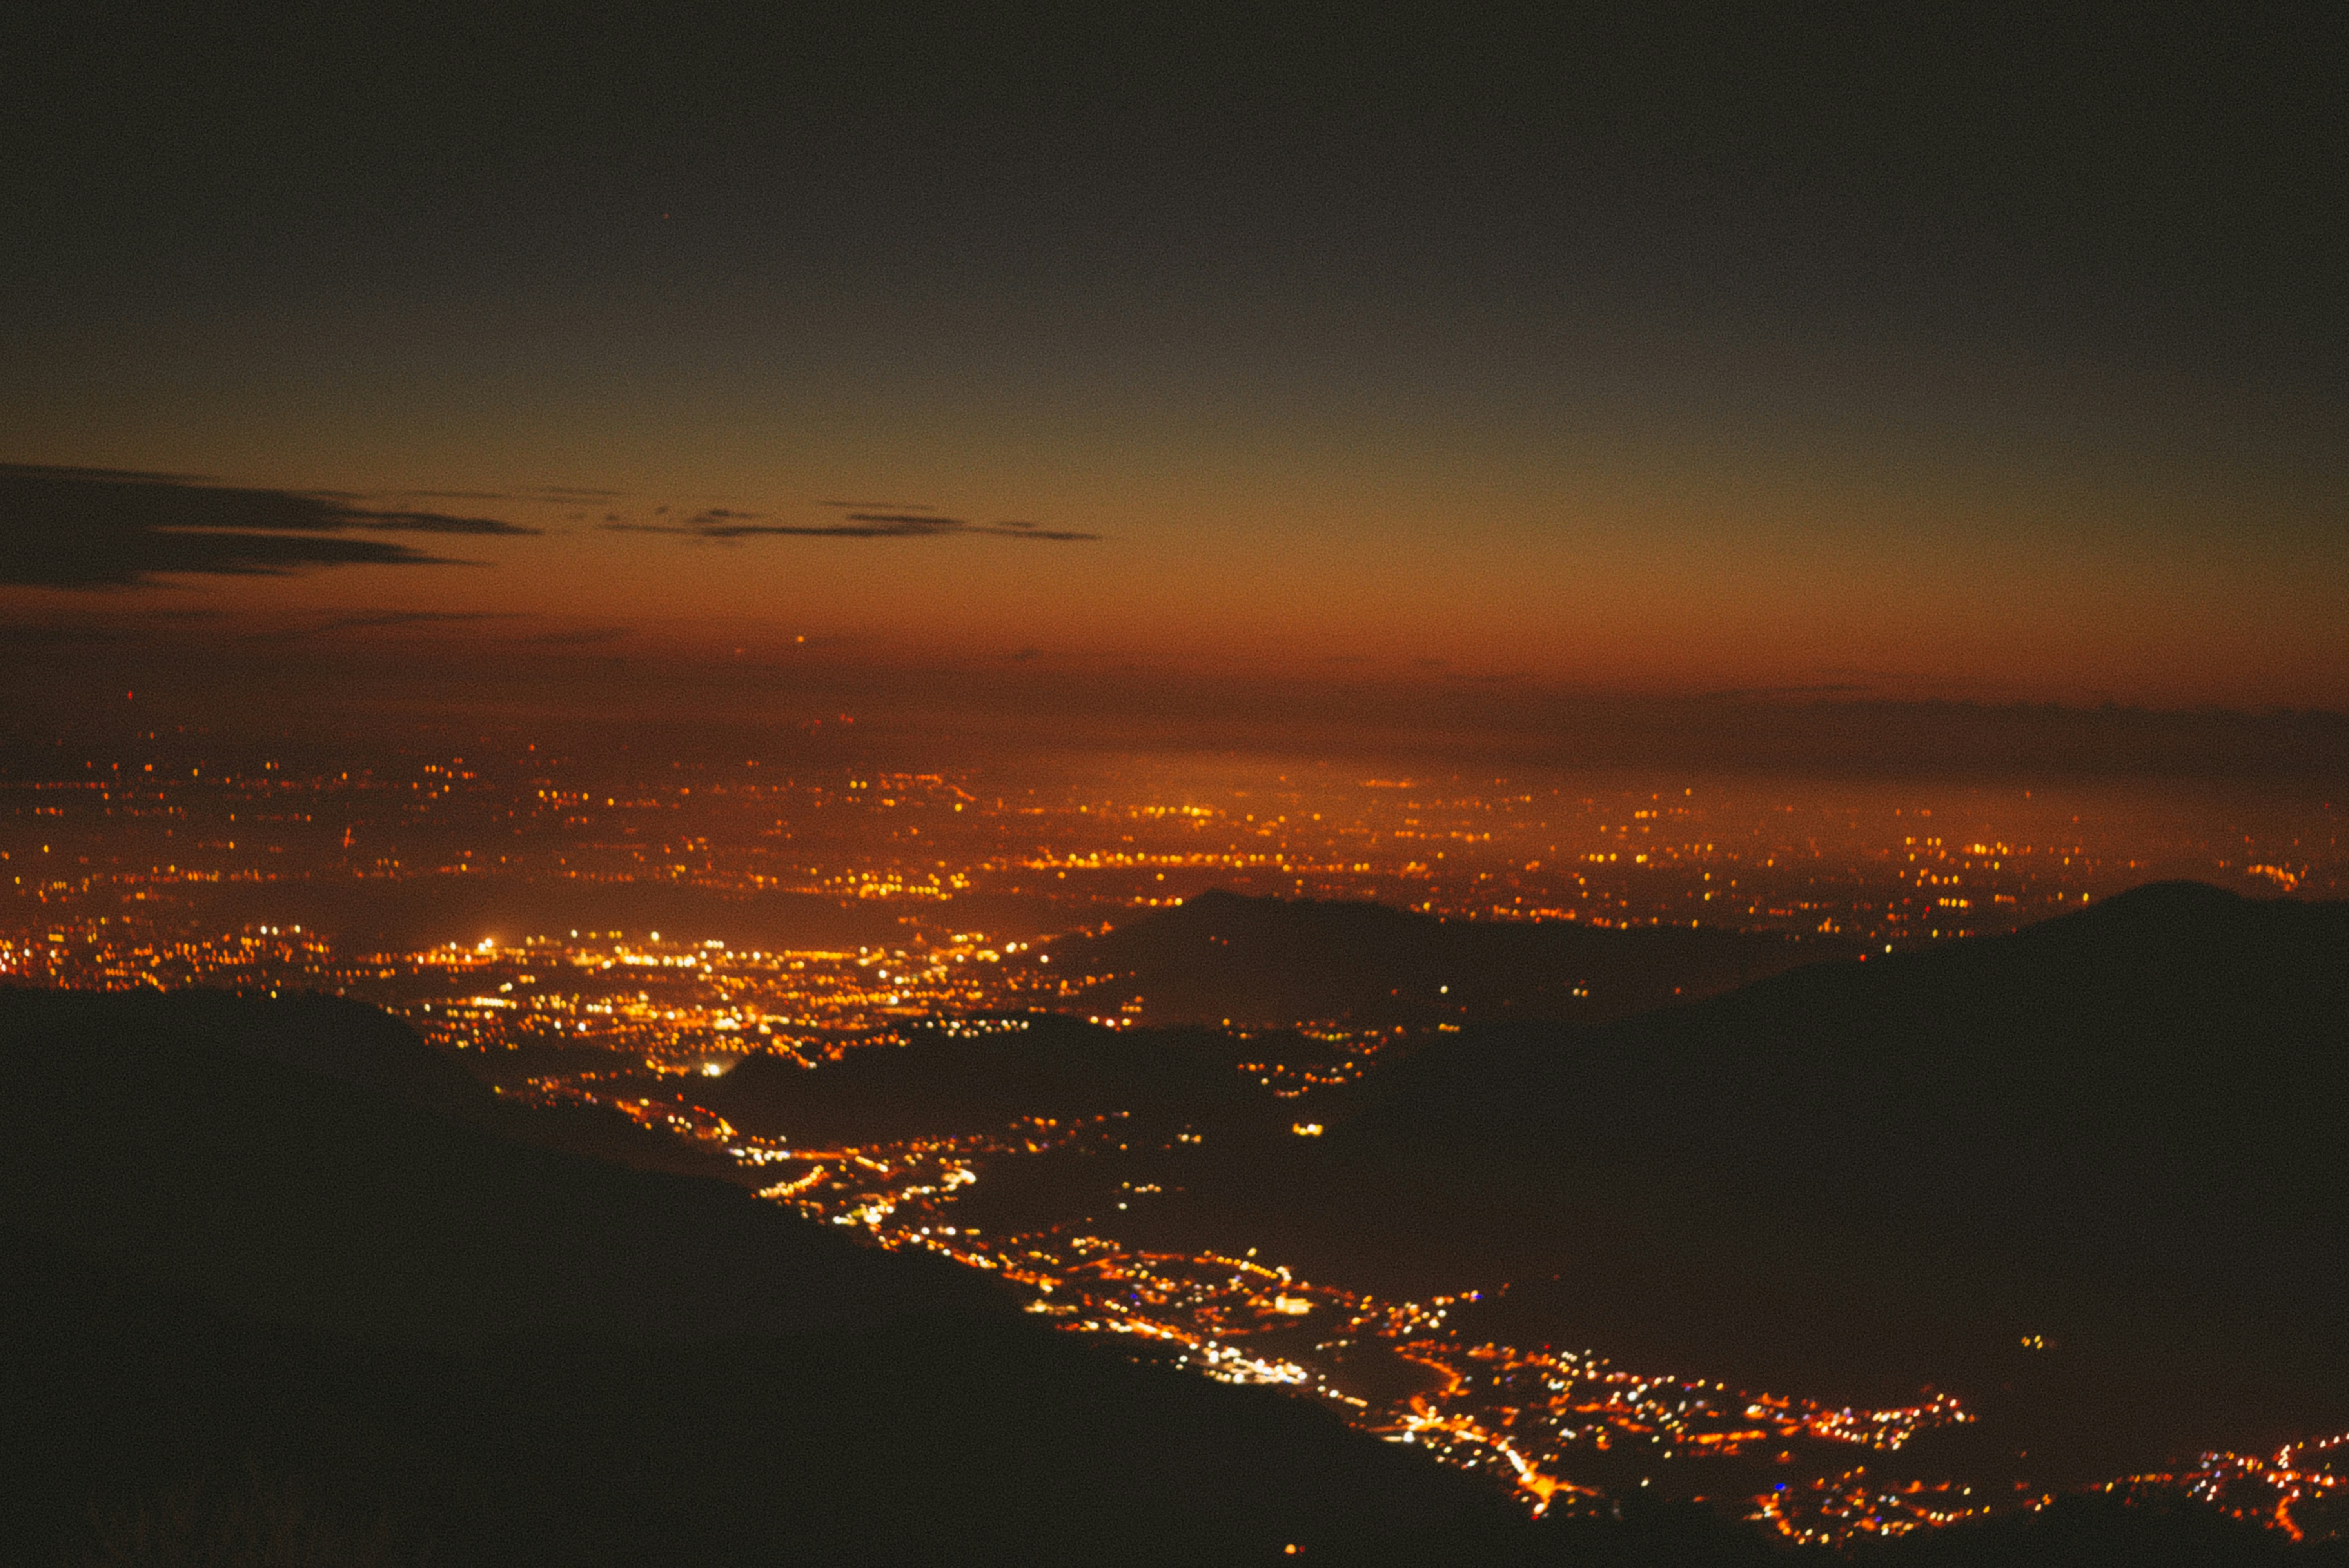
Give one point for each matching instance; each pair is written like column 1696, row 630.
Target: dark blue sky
column 1929, row 350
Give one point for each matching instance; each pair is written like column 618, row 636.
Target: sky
column 1922, row 355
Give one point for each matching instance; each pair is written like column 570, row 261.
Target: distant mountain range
column 1261, row 965
column 1271, row 961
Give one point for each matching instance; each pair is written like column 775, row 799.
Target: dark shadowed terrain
column 2117, row 1132
column 943, row 1080
column 218, row 1263
column 1253, row 962
column 272, row 1260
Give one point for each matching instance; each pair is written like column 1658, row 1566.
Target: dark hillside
column 2176, row 1042
column 952, row 1078
column 911, row 1444
column 2119, row 1131
column 1270, row 962
column 138, row 1127
column 215, row 1265
column 940, row 1438
column 285, row 1296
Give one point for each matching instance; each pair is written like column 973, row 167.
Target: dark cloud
column 431, row 523
column 910, row 525
column 92, row 528
column 719, row 526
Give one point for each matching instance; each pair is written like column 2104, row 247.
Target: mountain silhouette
column 2119, row 1131
column 275, row 1267
column 946, row 1078
column 216, row 1266
column 1261, row 961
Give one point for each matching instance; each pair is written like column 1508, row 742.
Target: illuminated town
column 1535, row 1420
column 1874, row 862
column 1154, row 784
column 186, row 870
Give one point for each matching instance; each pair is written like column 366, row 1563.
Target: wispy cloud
column 95, row 528
column 430, row 523
column 720, row 526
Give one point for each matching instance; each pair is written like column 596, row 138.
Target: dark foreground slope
column 1273, row 962
column 218, row 1265
column 245, row 1298
column 171, row 1133
column 2119, row 1132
